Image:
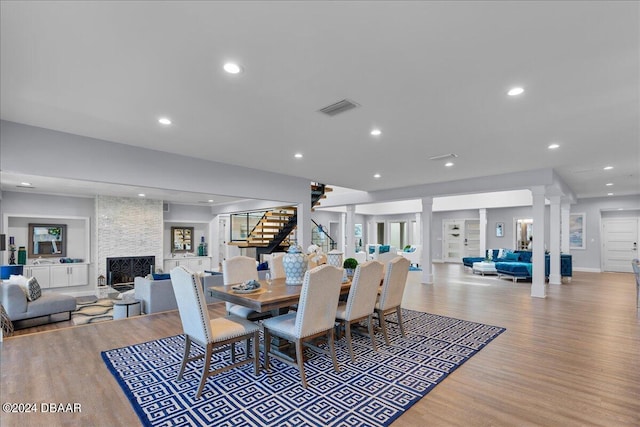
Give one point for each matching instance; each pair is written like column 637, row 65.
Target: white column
column 303, row 230
column 538, row 288
column 426, row 217
column 350, row 250
column 342, row 242
column 554, row 241
column 483, row 232
column 418, row 237
column 564, row 224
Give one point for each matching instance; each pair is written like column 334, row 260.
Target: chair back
column 276, row 268
column 364, row 290
column 239, row 269
column 318, row 300
column 395, row 280
column 635, row 264
column 191, row 305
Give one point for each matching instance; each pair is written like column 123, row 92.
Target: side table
column 126, row 308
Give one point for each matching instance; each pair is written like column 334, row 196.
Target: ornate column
column 350, row 250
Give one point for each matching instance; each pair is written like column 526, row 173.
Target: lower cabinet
column 192, row 263
column 68, row 275
column 41, row 273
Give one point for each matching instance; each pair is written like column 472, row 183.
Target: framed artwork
column 358, row 230
column 577, row 236
column 499, row 229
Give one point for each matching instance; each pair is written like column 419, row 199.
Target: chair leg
column 300, row 358
column 371, row 334
column 267, row 348
column 332, row 348
column 187, row 349
column 205, row 369
column 383, row 326
column 256, row 353
column 233, row 352
column 347, row 332
column 399, row 312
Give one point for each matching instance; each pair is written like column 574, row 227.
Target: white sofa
column 18, row 307
column 376, row 251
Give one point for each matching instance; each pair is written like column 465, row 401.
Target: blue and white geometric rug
column 374, row 391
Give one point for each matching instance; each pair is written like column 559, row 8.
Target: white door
column 620, row 243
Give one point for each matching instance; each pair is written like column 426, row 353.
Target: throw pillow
column 384, row 249
column 511, row 256
column 163, row 276
column 33, row 290
column 372, row 250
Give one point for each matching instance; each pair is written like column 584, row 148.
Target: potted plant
column 350, row 265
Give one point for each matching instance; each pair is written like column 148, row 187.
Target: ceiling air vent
column 339, row 107
column 444, row 157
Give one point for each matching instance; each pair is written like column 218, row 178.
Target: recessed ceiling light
column 26, row 184
column 620, row 209
column 376, row 132
column 515, row 91
column 210, row 200
column 448, row 164
column 141, row 194
column 232, row 68
column 609, row 184
column 164, row 121
column 553, row 146
column 377, row 175
column 608, row 168
column 609, row 194
column 298, row 155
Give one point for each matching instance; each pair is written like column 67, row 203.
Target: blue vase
column 295, row 265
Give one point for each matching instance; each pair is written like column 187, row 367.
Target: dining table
column 270, row 297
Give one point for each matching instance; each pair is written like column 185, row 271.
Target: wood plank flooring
column 572, row 359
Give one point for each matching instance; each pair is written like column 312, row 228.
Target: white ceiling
column 432, row 76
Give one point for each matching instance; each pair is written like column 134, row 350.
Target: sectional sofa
column 518, row 265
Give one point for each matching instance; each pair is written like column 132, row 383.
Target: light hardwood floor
column 572, row 359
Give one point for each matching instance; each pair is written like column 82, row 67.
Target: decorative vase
column 22, row 255
column 334, row 258
column 295, row 265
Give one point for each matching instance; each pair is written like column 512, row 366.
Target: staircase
column 272, row 233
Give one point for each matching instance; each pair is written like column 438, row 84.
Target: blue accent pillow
column 163, row 276
column 372, row 249
column 511, row 256
column 263, row 266
column 412, row 250
column 384, row 248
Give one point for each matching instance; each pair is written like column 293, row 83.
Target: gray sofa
column 157, row 295
column 18, row 307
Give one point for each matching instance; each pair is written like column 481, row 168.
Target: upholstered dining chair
column 315, row 317
column 395, row 279
column 361, row 301
column 215, row 335
column 276, row 268
column 239, row 269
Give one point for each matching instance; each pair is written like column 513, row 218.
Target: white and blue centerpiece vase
column 295, row 265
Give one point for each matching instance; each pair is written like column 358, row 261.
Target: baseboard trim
column 587, row 270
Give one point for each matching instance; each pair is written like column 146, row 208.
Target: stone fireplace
column 122, row 270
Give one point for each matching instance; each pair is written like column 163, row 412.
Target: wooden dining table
column 269, row 298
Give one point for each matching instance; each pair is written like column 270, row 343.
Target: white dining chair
column 395, row 279
column 361, row 301
column 215, row 335
column 315, row 317
column 276, row 268
column 236, row 270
